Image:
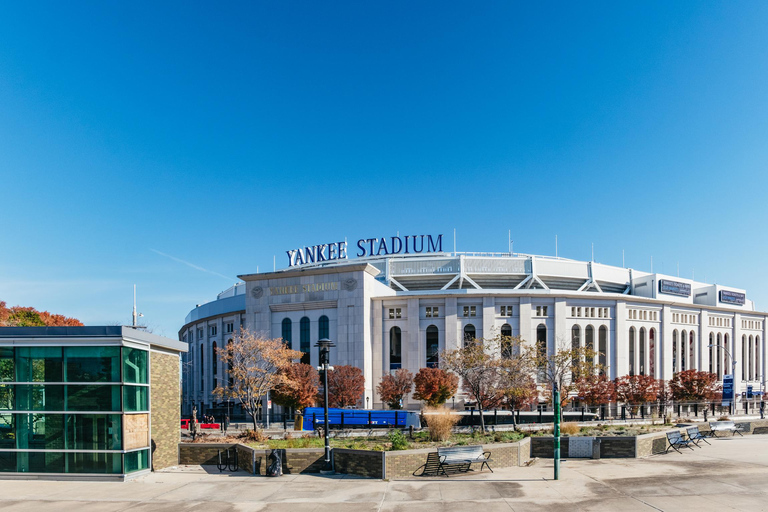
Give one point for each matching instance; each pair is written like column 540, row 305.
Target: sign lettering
column 674, row 288
column 366, row 247
column 728, row 297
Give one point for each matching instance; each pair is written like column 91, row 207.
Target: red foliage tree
column 523, row 394
column 595, row 389
column 19, row 316
column 694, row 386
column 434, row 386
column 393, row 387
column 636, row 389
column 346, row 386
column 299, row 390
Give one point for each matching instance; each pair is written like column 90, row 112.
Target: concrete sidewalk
column 732, row 474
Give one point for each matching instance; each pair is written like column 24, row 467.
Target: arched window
column 214, row 362
column 642, row 351
column 719, row 356
column 711, row 353
column 602, row 348
column 469, row 333
column 692, row 351
column 652, row 352
column 433, row 345
column 229, row 365
column 589, row 343
column 631, row 350
column 395, row 347
column 541, row 347
column 751, row 355
column 506, row 341
column 727, row 368
column 683, row 338
column 674, row 352
column 575, row 345
column 324, row 331
column 757, row 358
column 287, row 328
column 202, row 367
column 745, row 369
column 304, row 339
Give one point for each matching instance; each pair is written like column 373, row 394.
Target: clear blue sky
column 222, row 134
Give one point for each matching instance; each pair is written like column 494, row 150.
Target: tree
column 522, row 393
column 434, row 386
column 636, row 389
column 485, row 375
column 561, row 369
column 346, row 386
column 256, row 365
column 694, row 386
column 19, row 316
column 393, row 387
column 299, row 389
column 595, row 389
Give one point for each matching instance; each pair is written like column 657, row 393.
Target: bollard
column 396, row 423
column 495, row 418
column 623, row 412
column 369, row 418
column 696, row 410
column 342, row 420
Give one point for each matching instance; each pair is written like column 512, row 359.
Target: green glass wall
column 60, row 398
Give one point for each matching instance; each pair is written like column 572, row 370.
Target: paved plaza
column 732, row 474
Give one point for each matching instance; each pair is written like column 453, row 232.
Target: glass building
column 77, row 400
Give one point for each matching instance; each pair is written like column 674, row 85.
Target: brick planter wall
column 359, row 462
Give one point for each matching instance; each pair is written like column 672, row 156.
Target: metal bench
column 724, row 426
column 459, row 459
column 676, row 441
column 696, row 436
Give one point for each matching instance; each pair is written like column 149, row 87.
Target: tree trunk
column 482, row 418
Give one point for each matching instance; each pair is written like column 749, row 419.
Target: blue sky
column 134, row 135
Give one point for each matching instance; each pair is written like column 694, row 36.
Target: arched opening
column 433, row 346
column 745, row 363
column 683, row 338
column 757, row 358
column 287, row 335
column 602, row 348
column 541, row 348
column 395, row 349
column 692, row 351
column 631, row 350
column 202, row 367
column 575, row 345
column 652, row 352
column 751, row 355
column 727, row 367
column 231, row 379
column 589, row 343
column 506, row 341
column 214, row 363
column 469, row 334
column 719, row 357
column 304, row 339
column 323, row 328
column 711, row 353
column 642, row 352
column 674, row 351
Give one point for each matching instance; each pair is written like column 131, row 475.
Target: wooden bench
column 459, row 459
column 696, row 436
column 724, row 426
column 676, row 441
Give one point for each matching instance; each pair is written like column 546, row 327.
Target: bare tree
column 256, row 365
column 561, row 369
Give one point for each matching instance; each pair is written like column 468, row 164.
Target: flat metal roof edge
column 86, row 332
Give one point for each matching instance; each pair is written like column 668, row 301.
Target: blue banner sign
column 674, row 288
column 409, row 244
column 727, row 297
column 727, row 389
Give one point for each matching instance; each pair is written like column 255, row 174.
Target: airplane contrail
column 196, row 267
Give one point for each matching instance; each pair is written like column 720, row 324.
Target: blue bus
column 314, row 418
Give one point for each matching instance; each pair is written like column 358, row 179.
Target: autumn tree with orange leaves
column 19, row 316
column 394, row 387
column 595, row 389
column 346, row 386
column 256, row 365
column 434, row 386
column 634, row 390
column 299, row 389
column 694, row 386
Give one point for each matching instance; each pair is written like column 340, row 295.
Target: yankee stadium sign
column 409, row 244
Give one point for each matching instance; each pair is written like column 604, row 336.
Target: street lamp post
column 733, row 374
column 325, row 346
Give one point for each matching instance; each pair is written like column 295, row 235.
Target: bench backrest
column 693, row 431
column 674, row 436
column 721, row 424
column 469, row 452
